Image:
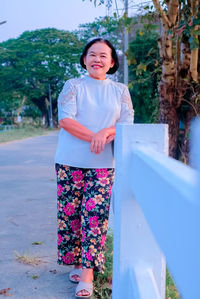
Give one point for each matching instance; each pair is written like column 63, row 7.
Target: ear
column 84, row 60
column 112, row 63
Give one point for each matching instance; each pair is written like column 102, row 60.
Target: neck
column 98, row 78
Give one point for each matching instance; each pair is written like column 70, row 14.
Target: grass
column 171, row 291
column 23, row 132
column 103, row 282
column 28, row 260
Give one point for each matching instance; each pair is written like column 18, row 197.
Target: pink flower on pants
column 59, row 190
column 93, row 221
column 101, row 173
column 85, row 187
column 90, row 204
column 88, row 256
column 110, row 190
column 76, row 225
column 79, row 185
column 68, row 258
column 103, row 239
column 69, row 209
column 83, row 236
column 60, row 239
column 77, row 176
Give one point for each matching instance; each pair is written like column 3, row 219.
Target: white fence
column 156, row 215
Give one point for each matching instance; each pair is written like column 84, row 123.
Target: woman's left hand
column 98, row 141
column 110, row 138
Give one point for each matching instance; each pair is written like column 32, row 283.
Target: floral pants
column 83, row 211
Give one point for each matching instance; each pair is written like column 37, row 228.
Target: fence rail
column 6, row 127
column 156, row 215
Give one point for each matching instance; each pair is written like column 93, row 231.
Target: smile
column 96, row 66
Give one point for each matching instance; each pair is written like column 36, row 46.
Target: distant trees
column 45, row 58
column 33, row 63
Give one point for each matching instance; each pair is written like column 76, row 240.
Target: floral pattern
column 83, row 211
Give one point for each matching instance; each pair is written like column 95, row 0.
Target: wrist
column 106, row 132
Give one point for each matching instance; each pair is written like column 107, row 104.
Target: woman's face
column 98, row 60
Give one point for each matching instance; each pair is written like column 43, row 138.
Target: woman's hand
column 110, row 139
column 100, row 139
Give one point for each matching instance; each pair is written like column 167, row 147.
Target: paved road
column 27, row 215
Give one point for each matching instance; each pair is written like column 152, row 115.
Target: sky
column 24, row 15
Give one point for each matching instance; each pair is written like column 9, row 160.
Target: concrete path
column 27, row 215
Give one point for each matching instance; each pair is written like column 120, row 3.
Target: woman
column 88, row 110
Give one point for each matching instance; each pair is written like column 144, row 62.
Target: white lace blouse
column 96, row 104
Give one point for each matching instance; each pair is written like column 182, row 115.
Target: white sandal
column 75, row 271
column 87, row 286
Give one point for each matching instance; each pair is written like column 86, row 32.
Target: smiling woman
column 98, row 60
column 88, row 110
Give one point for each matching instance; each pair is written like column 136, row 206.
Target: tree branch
column 194, row 52
column 161, row 12
column 173, row 11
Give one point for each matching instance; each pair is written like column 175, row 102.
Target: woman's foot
column 87, row 277
column 75, row 274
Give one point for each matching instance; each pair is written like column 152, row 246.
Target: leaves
column 194, row 42
column 141, row 68
column 144, row 62
column 196, row 32
column 37, row 243
column 5, row 292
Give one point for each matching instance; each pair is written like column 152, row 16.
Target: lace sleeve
column 67, row 101
column 127, row 112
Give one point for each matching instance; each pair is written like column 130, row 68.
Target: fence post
column 195, row 148
column 138, row 263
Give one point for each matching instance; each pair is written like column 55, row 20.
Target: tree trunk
column 41, row 104
column 168, row 113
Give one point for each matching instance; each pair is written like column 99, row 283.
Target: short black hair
column 113, row 69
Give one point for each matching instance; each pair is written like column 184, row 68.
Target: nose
column 97, row 58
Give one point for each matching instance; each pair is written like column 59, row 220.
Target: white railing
column 156, row 215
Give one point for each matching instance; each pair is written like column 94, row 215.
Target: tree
column 35, row 61
column 179, row 86
column 144, row 74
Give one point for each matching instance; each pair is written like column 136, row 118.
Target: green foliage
column 33, row 62
column 171, row 291
column 144, row 74
column 103, row 282
column 106, row 27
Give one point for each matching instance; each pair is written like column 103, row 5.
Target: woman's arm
column 76, row 129
column 97, row 140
